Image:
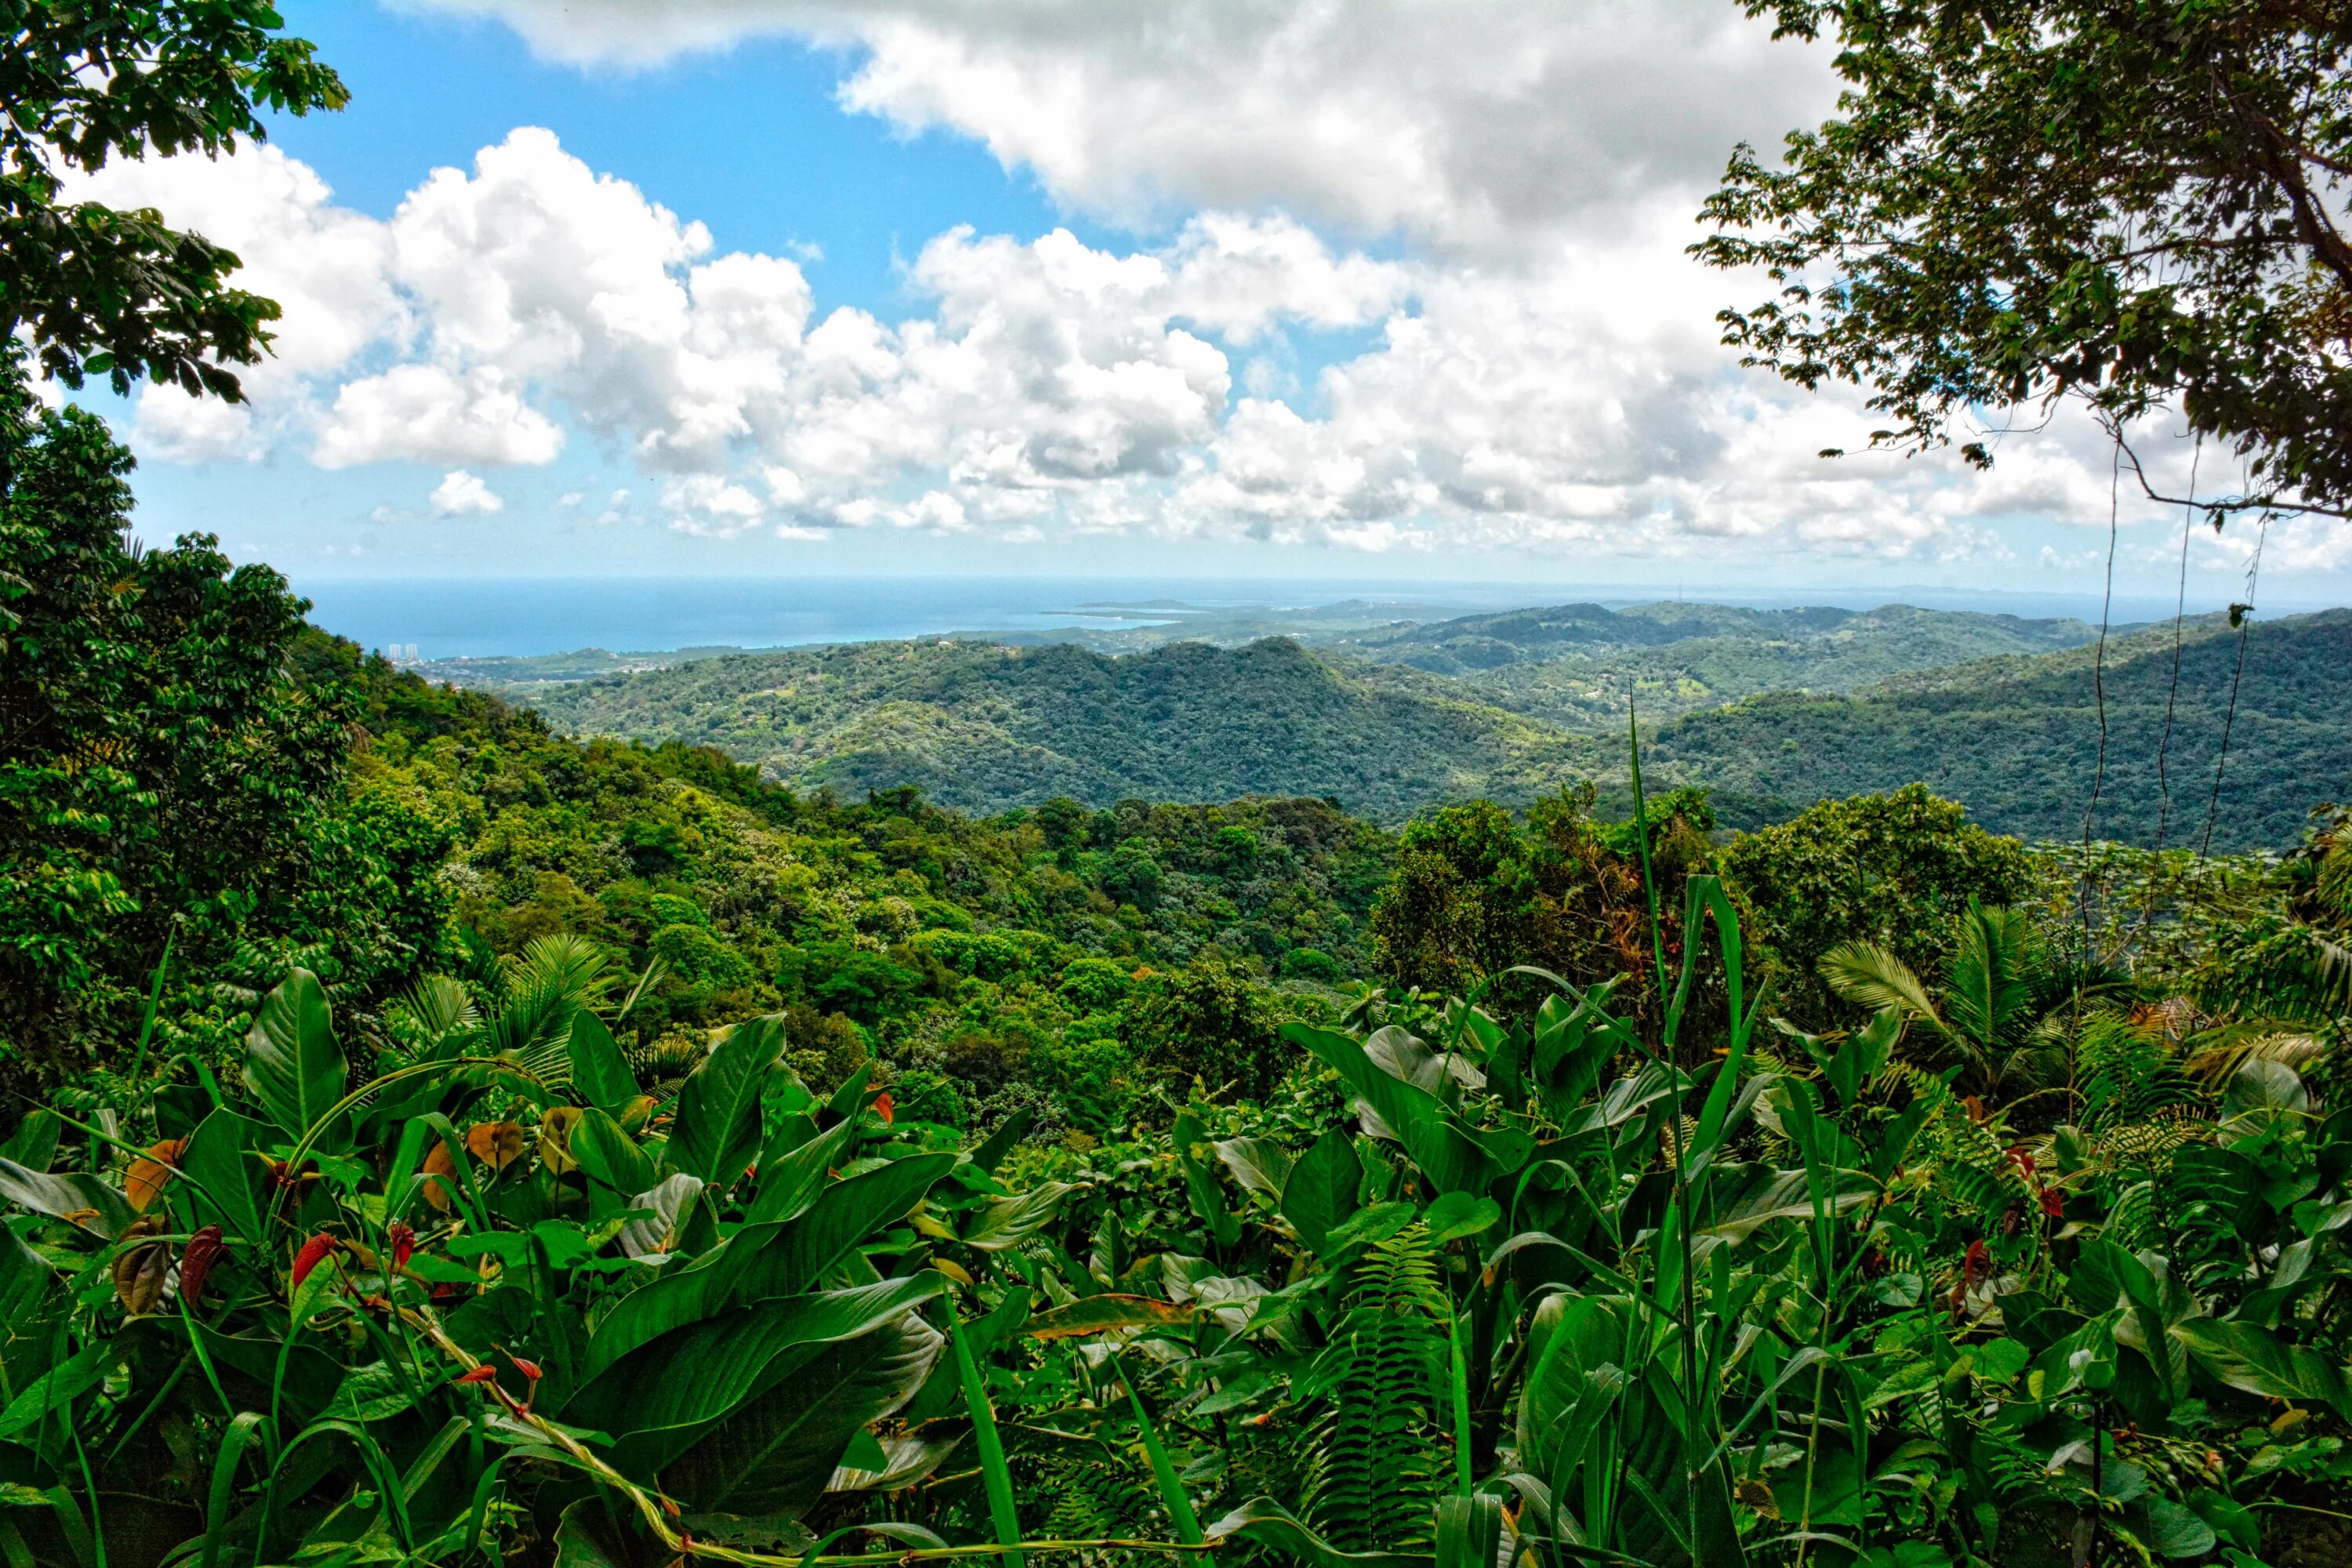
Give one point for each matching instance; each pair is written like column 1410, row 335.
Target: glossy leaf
column 600, row 1074
column 717, row 1132
column 292, row 1062
column 1323, row 1189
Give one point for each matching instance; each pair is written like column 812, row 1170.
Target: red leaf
column 404, row 1246
column 484, row 1372
column 529, row 1369
column 313, row 1250
column 883, row 1107
column 204, row 1250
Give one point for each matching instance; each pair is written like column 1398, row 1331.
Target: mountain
column 2017, row 739
column 1577, row 665
column 983, row 727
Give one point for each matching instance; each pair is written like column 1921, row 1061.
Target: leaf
column 2174, row 1531
column 2246, row 1356
column 1201, row 1189
column 777, row 1453
column 672, row 1203
column 999, row 1143
column 1322, row 1189
column 35, row 1142
column 1010, row 1220
column 222, row 1175
column 717, row 1128
column 610, row 1155
column 791, row 1182
column 1448, row 1156
column 778, row 1258
column 152, row 1172
column 1259, row 1165
column 659, row 1397
column 370, row 1393
column 1104, row 1313
column 1267, row 1522
column 140, row 1273
column 80, row 1198
column 600, row 1074
column 57, row 1388
column 292, row 1063
column 1459, row 1214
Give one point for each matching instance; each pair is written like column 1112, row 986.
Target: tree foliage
column 121, row 293
column 2138, row 204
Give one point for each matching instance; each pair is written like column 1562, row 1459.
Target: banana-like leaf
column 762, row 1261
column 57, row 1388
column 1105, row 1314
column 610, row 1155
column 776, row 1454
column 671, row 1203
column 2246, row 1356
column 790, row 1181
column 1259, row 1165
column 717, row 1128
column 600, row 1074
column 292, row 1062
column 80, row 1198
column 1448, row 1156
column 223, row 1177
column 659, row 1397
column 1010, row 1220
column 1267, row 1522
column 1323, row 1189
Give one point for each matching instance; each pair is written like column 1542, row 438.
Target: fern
column 1373, row 1481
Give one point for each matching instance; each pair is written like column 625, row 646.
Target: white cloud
column 461, row 494
column 1474, row 126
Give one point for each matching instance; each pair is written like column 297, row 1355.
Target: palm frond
column 1865, row 972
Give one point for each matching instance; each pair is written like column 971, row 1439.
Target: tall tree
column 2136, row 202
column 121, row 293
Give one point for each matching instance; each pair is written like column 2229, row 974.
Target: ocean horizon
column 490, row 617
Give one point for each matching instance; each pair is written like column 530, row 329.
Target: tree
column 1894, row 871
column 161, row 765
column 2135, row 202
column 117, row 294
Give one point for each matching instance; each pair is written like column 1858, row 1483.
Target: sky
column 1383, row 290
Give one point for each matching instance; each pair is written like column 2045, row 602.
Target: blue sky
column 740, row 286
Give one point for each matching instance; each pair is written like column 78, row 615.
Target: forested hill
column 2018, row 738
column 982, row 727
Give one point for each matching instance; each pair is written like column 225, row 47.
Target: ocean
column 519, row 617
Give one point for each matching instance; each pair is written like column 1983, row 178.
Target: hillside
column 2018, row 738
column 1576, row 665
column 982, row 728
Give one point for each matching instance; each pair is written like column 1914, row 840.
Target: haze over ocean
column 520, row 616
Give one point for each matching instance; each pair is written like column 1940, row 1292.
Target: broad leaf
column 659, row 1397
column 717, row 1128
column 672, row 1205
column 610, row 1155
column 600, row 1074
column 1267, row 1522
column 222, row 1178
column 1104, row 1313
column 1010, row 1220
column 1259, row 1165
column 760, row 1261
column 1323, row 1189
column 292, row 1063
column 79, row 1198
column 1447, row 1155
column 777, row 1454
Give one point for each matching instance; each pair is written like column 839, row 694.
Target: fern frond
column 1374, row 1479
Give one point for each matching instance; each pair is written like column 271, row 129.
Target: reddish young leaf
column 313, row 1251
column 204, row 1250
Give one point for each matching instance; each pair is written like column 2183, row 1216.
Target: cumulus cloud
column 1474, row 126
column 461, row 494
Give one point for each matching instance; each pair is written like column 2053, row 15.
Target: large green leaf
column 1194, row 1155
column 1267, row 1522
column 80, row 1197
column 718, row 1128
column 1447, row 1155
column 659, row 1396
column 610, row 1155
column 2247, row 1356
column 775, row 1259
column 1323, row 1189
column 790, row 1182
column 222, row 1176
column 777, row 1453
column 57, row 1388
column 292, row 1063
column 600, row 1074
column 1011, row 1220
